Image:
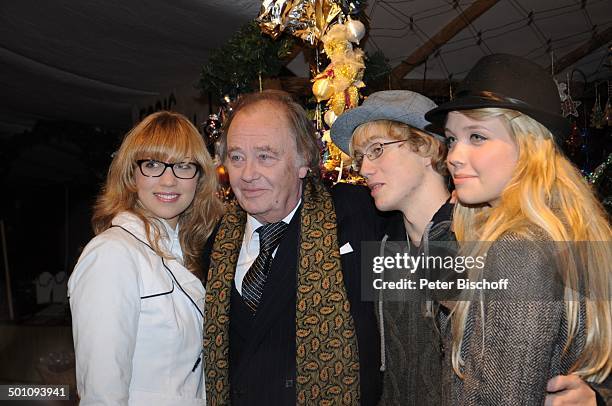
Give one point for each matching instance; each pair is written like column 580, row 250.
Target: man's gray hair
column 301, row 127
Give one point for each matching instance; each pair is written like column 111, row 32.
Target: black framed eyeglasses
column 373, row 152
column 154, row 169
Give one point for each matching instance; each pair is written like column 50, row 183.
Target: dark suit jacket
column 262, row 349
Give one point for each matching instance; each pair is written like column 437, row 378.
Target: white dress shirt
column 137, row 321
column 250, row 246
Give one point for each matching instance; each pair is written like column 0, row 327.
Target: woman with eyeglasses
column 135, row 293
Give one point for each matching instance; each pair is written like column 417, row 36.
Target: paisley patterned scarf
column 327, row 358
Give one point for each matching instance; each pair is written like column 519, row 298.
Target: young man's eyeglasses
column 155, row 169
column 373, row 152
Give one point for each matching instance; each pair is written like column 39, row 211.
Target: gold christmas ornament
column 355, row 30
column 322, row 89
column 330, row 117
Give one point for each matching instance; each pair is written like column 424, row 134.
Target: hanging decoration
column 356, row 30
column 249, row 57
column 304, row 19
column 569, row 107
column 597, row 114
column 585, row 149
column 574, row 140
column 212, row 130
column 326, row 24
column 341, row 80
column 339, row 85
column 308, row 20
column 608, row 109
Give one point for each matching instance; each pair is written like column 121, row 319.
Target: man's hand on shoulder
column 566, row 390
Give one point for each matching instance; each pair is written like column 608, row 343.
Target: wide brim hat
column 402, row 106
column 511, row 82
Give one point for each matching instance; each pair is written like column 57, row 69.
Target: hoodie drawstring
column 381, row 327
column 429, row 307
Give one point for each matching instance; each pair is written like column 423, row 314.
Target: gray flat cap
column 403, row 106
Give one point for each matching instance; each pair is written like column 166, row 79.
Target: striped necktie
column 255, row 279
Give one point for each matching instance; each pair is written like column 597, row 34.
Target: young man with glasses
column 405, row 169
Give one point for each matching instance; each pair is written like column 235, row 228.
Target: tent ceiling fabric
column 94, row 60
column 504, row 28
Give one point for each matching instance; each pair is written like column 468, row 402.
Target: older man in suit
column 284, row 320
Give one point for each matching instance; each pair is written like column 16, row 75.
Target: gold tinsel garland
column 322, row 22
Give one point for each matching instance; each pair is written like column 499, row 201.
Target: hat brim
column 342, row 130
column 556, row 124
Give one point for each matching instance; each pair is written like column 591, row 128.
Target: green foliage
column 377, row 69
column 235, row 67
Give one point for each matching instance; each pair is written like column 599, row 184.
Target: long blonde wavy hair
column 548, row 191
column 169, row 137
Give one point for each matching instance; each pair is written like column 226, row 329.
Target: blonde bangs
column 420, row 142
column 167, row 141
column 377, row 130
column 169, row 137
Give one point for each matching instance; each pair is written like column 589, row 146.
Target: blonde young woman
column 518, row 194
column 135, row 295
